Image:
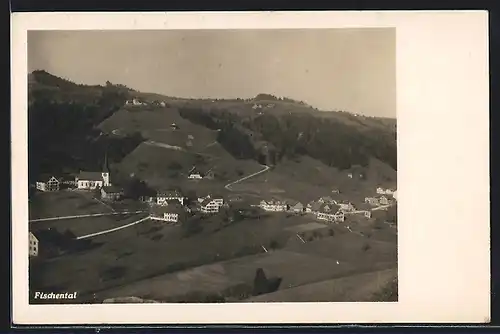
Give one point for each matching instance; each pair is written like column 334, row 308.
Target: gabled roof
column 206, row 201
column 89, row 176
column 169, row 193
column 329, row 208
column 315, row 206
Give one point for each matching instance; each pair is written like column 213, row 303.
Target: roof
column 168, row 193
column 206, row 201
column 296, row 203
column 315, row 206
column 90, row 176
column 112, row 189
column 332, row 208
column 170, row 208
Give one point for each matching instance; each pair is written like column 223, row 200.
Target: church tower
column 105, row 171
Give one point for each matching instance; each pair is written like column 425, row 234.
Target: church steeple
column 105, row 167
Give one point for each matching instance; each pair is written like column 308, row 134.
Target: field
column 295, row 266
column 64, row 203
column 83, row 226
column 150, row 249
column 355, row 288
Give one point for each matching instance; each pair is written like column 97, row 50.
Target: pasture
column 64, row 203
column 355, row 288
column 83, row 226
column 150, row 249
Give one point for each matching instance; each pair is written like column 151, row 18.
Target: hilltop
column 75, row 125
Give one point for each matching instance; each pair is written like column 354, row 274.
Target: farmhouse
column 383, row 200
column 92, row 180
column 163, row 197
column 172, row 213
column 48, row 184
column 296, row 207
column 273, row 205
column 111, row 193
column 382, row 191
column 371, row 200
column 313, row 207
column 327, row 199
column 195, row 176
column 330, row 212
column 33, row 245
column 346, row 206
column 210, row 205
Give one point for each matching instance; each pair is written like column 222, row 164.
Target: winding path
column 228, row 186
column 86, row 216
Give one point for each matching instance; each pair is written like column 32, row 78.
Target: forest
column 291, row 135
column 62, row 123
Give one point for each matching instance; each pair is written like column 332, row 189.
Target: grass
column 150, row 249
column 355, row 288
column 84, row 226
column 64, row 203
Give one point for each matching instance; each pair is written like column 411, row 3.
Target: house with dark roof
column 273, row 205
column 111, row 193
column 211, row 205
column 296, row 207
column 162, row 197
column 330, row 213
column 313, row 207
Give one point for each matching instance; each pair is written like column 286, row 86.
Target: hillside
column 73, row 126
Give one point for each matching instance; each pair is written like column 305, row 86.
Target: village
column 172, row 206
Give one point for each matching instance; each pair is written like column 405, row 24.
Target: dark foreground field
column 164, row 263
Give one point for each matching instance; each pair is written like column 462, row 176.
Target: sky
column 331, row 69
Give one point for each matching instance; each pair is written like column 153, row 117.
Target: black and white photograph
column 224, row 166
column 212, row 166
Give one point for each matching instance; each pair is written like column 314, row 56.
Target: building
column 372, row 200
column 382, row 191
column 195, row 176
column 174, row 126
column 313, row 207
column 134, row 102
column 346, row 206
column 148, row 199
column 210, row 205
column 394, row 195
column 33, row 245
column 330, row 213
column 111, row 193
column 297, row 207
column 273, row 205
column 163, row 197
column 327, row 199
column 171, row 213
column 92, row 180
column 48, row 184
column 383, row 200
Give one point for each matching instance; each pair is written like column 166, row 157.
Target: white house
column 163, row 104
column 92, row 180
column 273, row 205
column 394, row 195
column 382, row 191
column 195, row 176
column 210, row 205
column 331, row 213
column 50, row 184
column 383, row 200
column 349, row 175
column 33, row 245
column 372, row 200
column 163, row 197
column 346, row 206
column 170, row 213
